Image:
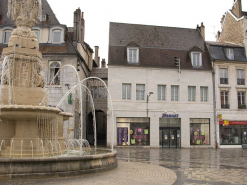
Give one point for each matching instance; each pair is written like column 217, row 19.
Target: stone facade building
column 60, row 45
column 157, row 102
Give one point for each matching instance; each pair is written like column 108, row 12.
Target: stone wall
column 233, row 30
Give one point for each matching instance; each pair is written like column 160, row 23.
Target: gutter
column 214, row 103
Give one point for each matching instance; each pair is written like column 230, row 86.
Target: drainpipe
column 214, row 100
column 150, row 93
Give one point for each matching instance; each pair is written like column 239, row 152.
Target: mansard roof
column 99, row 72
column 217, row 51
column 46, row 9
column 157, row 45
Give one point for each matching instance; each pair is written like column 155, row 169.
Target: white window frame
column 196, row 63
column 223, row 74
column 39, row 37
column 225, row 94
column 125, row 91
column 51, row 76
column 161, row 92
column 204, row 93
column 44, row 17
column 230, row 53
column 140, row 93
column 174, row 94
column 51, row 34
column 4, row 32
column 240, row 75
column 56, row 31
column 243, row 102
column 191, row 93
column 129, row 49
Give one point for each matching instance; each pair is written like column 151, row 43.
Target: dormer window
column 56, row 36
column 133, row 55
column 6, row 36
column 196, row 59
column 44, row 17
column 230, row 53
column 37, row 34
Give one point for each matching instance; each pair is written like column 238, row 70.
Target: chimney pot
column 103, row 64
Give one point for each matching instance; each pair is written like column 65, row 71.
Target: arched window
column 53, row 69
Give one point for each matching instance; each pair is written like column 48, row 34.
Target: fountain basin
column 61, row 166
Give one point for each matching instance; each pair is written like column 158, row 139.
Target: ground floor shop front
column 168, row 131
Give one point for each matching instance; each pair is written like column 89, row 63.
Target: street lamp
column 177, row 63
column 150, row 93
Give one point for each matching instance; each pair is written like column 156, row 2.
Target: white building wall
column 152, row 77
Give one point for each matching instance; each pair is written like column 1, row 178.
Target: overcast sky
column 171, row 13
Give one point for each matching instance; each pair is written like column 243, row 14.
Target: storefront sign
column 226, row 122
column 220, row 117
column 139, row 136
column 170, row 115
column 234, row 122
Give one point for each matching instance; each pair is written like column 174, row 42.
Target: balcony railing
column 242, row 106
column 241, row 81
column 223, row 80
column 225, row 106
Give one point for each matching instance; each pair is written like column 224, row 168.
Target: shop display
column 197, row 134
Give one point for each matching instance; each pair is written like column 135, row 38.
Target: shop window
column 56, row 36
column 204, row 93
column 133, row 131
column 199, row 133
column 140, row 91
column 54, row 71
column 231, row 134
column 174, row 92
column 6, row 36
column 241, row 100
column 230, row 53
column 126, row 91
column 133, row 55
column 224, row 100
column 191, row 93
column 240, row 77
column 223, row 76
column 161, row 92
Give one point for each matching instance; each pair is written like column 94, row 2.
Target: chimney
column 103, row 64
column 202, row 30
column 82, row 27
column 96, row 55
column 222, row 21
column 237, row 8
column 218, row 36
column 77, row 27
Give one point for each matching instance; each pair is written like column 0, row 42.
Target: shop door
column 170, row 138
column 244, row 135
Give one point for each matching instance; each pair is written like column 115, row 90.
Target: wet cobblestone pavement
column 194, row 166
column 165, row 166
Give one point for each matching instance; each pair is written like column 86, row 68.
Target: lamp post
column 150, row 93
column 177, row 63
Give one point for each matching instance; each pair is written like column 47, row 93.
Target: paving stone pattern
column 165, row 166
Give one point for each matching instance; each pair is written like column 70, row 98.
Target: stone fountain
column 31, row 133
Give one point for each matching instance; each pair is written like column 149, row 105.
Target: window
column 98, row 92
column 196, row 59
column 37, row 34
column 54, row 68
column 191, row 93
column 223, row 76
column 44, row 17
column 161, row 92
column 241, row 100
column 230, row 53
column 126, row 89
column 240, row 77
column 56, row 36
column 133, row 55
column 199, row 131
column 174, row 93
column 140, row 91
column 6, row 36
column 204, row 93
column 224, row 100
column 231, row 134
